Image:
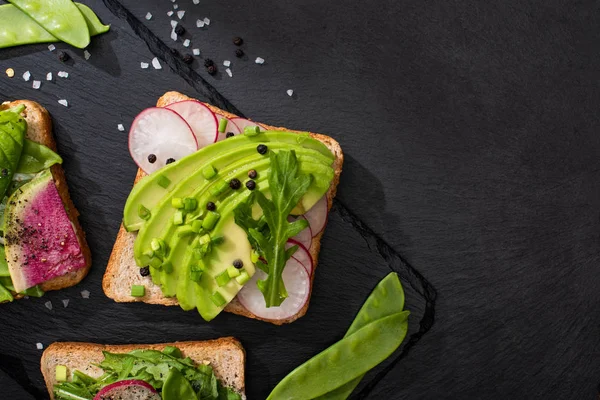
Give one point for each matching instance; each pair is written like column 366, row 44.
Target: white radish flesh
column 305, row 236
column 130, row 389
column 297, row 284
column 160, row 132
column 231, row 127
column 201, row 119
column 302, row 255
column 317, row 216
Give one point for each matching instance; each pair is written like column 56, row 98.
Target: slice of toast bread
column 225, row 355
column 39, row 129
column 122, row 271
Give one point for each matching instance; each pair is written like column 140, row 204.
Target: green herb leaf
column 36, row 157
column 287, row 186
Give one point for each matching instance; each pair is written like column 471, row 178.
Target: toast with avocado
column 43, row 245
column 225, row 213
column 212, row 369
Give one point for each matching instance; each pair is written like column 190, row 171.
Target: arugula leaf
column 287, row 186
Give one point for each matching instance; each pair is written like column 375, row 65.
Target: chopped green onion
column 190, row 204
column 185, row 230
column 197, row 226
column 163, row 181
column 209, row 171
column 223, row 278
column 158, row 246
column 210, row 220
column 254, row 256
column 178, row 217
column 223, row 125
column 251, row 130
column 243, row 278
column 144, row 213
column 204, row 239
column 233, row 271
column 61, row 373
column 218, row 299
column 177, row 202
column 155, row 263
column 167, row 267
column 172, row 351
column 196, row 272
column 219, row 188
column 218, row 240
column 138, row 290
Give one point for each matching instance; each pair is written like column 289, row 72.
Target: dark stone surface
column 471, row 138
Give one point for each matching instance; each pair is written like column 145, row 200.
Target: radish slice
column 130, row 389
column 297, row 284
column 161, row 132
column 317, row 216
column 231, row 127
column 200, row 118
column 243, row 122
column 302, row 255
column 305, row 236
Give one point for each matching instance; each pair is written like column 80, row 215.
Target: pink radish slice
column 243, row 122
column 130, row 389
column 161, row 132
column 231, row 127
column 302, row 255
column 297, row 284
column 201, row 119
column 317, row 216
column 305, row 236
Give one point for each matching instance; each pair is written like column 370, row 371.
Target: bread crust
column 226, row 355
column 122, row 265
column 39, row 129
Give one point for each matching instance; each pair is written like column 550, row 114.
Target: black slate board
column 470, row 133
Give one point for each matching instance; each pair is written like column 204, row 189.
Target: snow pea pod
column 95, row 26
column 61, row 18
column 345, row 360
column 386, row 299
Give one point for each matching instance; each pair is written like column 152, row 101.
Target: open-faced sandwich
column 208, row 370
column 43, row 246
column 225, row 214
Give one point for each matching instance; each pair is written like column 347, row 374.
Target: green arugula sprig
column 269, row 234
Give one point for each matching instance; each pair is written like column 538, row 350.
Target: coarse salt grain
column 187, row 42
column 200, row 23
column 48, row 305
column 86, row 54
column 173, row 23
column 144, row 65
column 174, row 35
column 196, row 2
column 63, row 102
column 65, row 303
column 206, row 21
column 170, row 13
column 10, row 72
column 290, row 92
column 180, row 14
column 228, row 70
column 36, row 84
column 49, row 76
column 63, row 74
column 175, row 6
column 156, row 63
column 227, row 63
column 39, row 346
column 26, row 76
column 259, row 60
column 196, row 52
column 120, row 127
column 149, row 16
column 51, row 47
column 85, row 294
column 173, row 1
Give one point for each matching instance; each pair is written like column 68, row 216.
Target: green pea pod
column 61, row 18
column 176, row 387
column 18, row 28
column 36, row 157
column 386, row 299
column 345, row 360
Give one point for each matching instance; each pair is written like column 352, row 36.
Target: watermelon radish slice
column 302, row 255
column 305, row 236
column 297, row 284
column 243, row 122
column 41, row 243
column 163, row 133
column 130, row 389
column 231, row 127
column 200, row 118
column 317, row 216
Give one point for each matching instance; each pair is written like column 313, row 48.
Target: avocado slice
column 147, row 193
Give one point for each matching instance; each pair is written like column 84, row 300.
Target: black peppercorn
column 238, row 263
column 208, row 62
column 229, row 134
column 179, row 29
column 238, row 41
column 211, row 70
column 188, row 59
column 235, row 183
column 210, row 206
column 239, row 53
column 152, row 158
column 175, row 53
column 251, row 185
column 170, row 161
column 252, row 174
column 145, row 271
column 62, row 56
column 262, row 149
